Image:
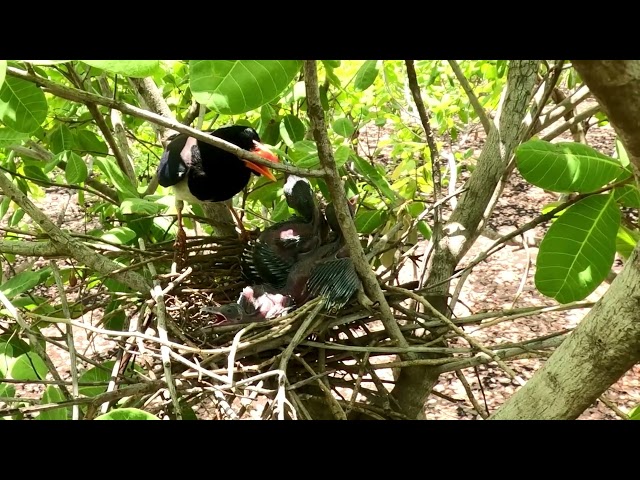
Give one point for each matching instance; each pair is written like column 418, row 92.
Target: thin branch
column 70, row 340
column 81, row 96
column 334, row 183
column 574, row 121
column 70, row 246
column 475, row 103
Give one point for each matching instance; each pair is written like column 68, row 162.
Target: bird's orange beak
column 260, row 150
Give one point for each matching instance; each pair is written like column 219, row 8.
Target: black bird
column 271, row 256
column 200, row 172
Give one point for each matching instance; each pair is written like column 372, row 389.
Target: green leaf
column 90, row 142
column 122, row 183
column 374, row 176
column 7, row 390
column 305, row 154
column 23, row 106
column 119, row 235
column 28, row 366
column 628, row 196
column 424, row 229
column 626, row 241
column 565, row 167
column 76, row 170
column 231, row 87
column 343, row 127
column 96, row 374
column 127, row 414
column 3, row 71
column 36, row 173
column 341, row 155
column 10, row 137
column 53, row 394
column 367, row 221
column 634, row 413
column 577, row 252
column 61, row 139
column 129, row 68
column 6, row 358
column 291, row 130
column 140, row 206
column 23, row 281
column 366, row 75
column 331, row 64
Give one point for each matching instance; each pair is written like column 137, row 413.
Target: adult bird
column 199, row 172
column 278, row 247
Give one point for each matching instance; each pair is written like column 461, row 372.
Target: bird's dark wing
column 175, row 160
column 336, row 280
column 260, row 263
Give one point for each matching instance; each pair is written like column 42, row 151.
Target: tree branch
column 70, row 247
column 86, row 98
column 334, row 183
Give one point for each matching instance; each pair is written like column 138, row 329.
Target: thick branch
column 31, row 249
column 151, row 98
column 370, row 283
column 86, row 98
column 68, row 245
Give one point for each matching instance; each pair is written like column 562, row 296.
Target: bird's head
column 248, row 139
column 227, row 314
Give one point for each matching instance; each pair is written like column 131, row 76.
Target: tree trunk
column 467, row 220
column 606, row 343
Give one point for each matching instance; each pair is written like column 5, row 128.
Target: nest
column 211, row 277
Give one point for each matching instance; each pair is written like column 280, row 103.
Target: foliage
column 378, row 143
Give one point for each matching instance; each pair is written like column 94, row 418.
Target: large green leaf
column 23, row 106
column 3, row 71
column 343, row 127
column 577, row 252
column 565, row 167
column 367, row 221
column 11, row 137
column 628, row 196
column 634, row 413
column 96, row 374
column 374, row 176
column 90, row 142
column 76, row 170
column 119, row 235
column 28, row 366
column 291, row 130
column 127, row 414
column 53, row 394
column 122, row 183
column 130, row 68
column 140, row 206
column 232, row 87
column 366, row 75
column 61, row 139
column 23, row 281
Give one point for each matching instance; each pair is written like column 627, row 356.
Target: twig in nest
column 472, row 398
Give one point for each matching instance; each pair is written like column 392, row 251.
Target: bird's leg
column 180, row 244
column 244, row 235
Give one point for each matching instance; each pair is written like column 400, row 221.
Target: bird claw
column 180, row 246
